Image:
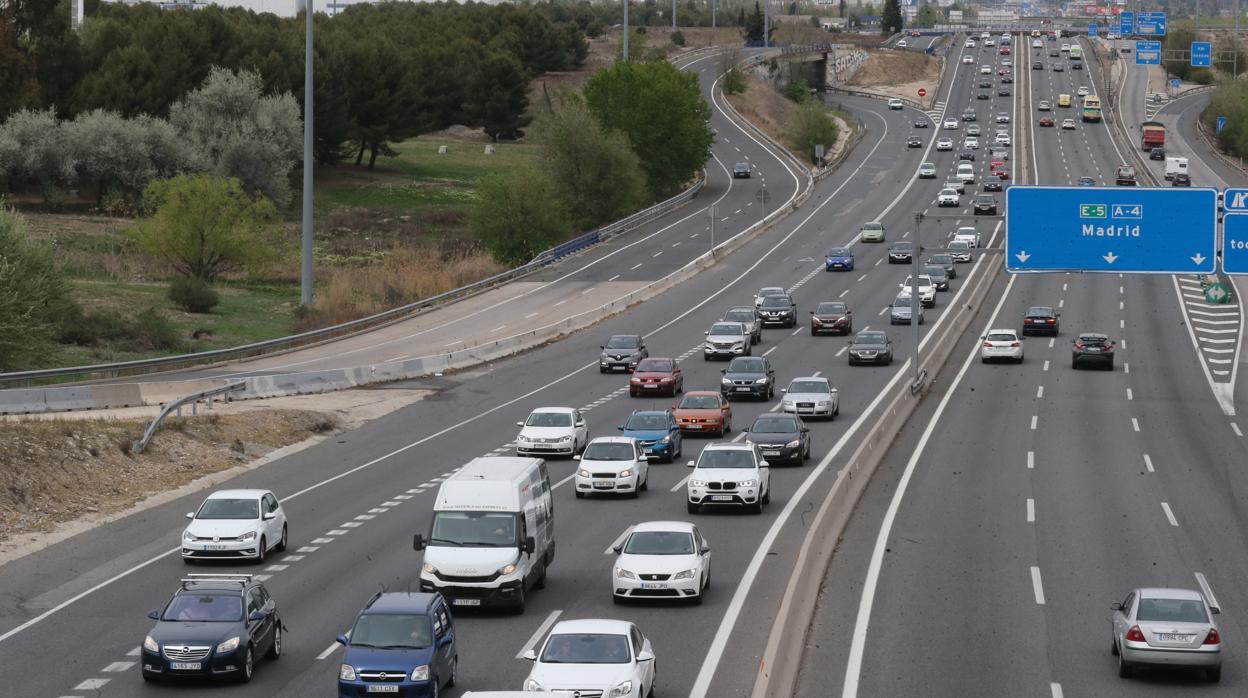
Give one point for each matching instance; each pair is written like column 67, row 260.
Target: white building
column 281, row 8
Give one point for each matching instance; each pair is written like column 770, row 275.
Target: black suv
column 985, row 204
column 215, row 625
column 622, row 352
column 741, row 170
column 969, row 115
column 778, row 310
column 1157, row 154
column 748, row 376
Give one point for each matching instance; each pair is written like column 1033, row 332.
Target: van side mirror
column 620, row 428
column 690, row 464
column 576, row 456
column 190, row 514
column 519, row 424
column 418, row 542
column 530, row 544
column 256, row 616
column 645, row 656
column 764, row 464
column 618, row 549
column 704, row 550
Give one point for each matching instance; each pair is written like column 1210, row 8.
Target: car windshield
column 1172, row 611
column 549, row 419
column 902, row 302
column 229, row 509
column 830, row 309
column 659, row 543
column 839, row 252
column 699, row 402
column 727, row 328
column 623, row 343
column 1039, row 312
column 746, row 365
column 870, row 338
column 901, row 246
column 873, row 226
column 1001, row 337
column 933, row 270
column 647, row 422
column 1094, row 339
column 487, row 529
column 959, row 245
column 392, row 631
column 942, row 259
column 734, row 458
column 776, row 302
column 774, row 425
column 205, row 607
column 586, row 648
column 742, row 315
column 771, row 291
column 655, row 366
column 808, row 387
column 984, row 199
column 609, row 450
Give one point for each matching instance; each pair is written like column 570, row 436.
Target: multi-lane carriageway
column 74, row 614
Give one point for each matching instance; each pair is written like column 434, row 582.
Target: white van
column 1175, row 166
column 966, row 172
column 493, row 533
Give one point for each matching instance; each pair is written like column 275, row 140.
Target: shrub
column 678, row 38
column 92, row 328
column 152, row 330
column 734, row 81
column 798, row 91
column 193, row 295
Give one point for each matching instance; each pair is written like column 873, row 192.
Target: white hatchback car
column 662, row 560
column 1002, row 344
column 967, row 234
column 1068, row 124
column 1044, row 106
column 895, row 103
column 985, row 70
column 811, row 396
column 969, row 59
column 970, row 142
column 950, row 125
column 593, row 657
column 552, row 431
column 927, row 290
column 729, row 474
column 768, row 291
column 1002, row 139
column 1083, row 91
column 612, row 465
column 234, row 524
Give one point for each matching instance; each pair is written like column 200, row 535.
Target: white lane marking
column 656, row 254
column 770, row 350
column 530, row 316
column 378, row 510
column 336, row 532
column 1056, row 688
column 365, row 517
column 1120, row 304
column 1034, row 419
column 1235, row 428
column 1130, row 395
column 563, row 482
column 262, row 577
column 328, row 650
column 861, row 278
column 1061, row 303
column 1051, row 341
column 276, row 568
column 877, row 262
column 680, row 485
column 1046, row 364
column 1039, row 392
column 1037, row 586
column 797, row 331
column 135, row 652
column 738, row 437
column 500, row 328
column 1126, row 368
column 636, row 266
column 1031, row 460
column 882, row 311
column 1031, row 510
column 1207, row 591
column 307, row 549
column 618, row 541
column 588, row 290
column 1122, row 324
column 91, row 685
column 117, row 667
column 292, row 558
column 351, row 524
column 613, row 278
column 537, row 634
column 1169, row 515
column 841, row 351
column 1135, row 424
column 1148, row 463
column 844, row 293
column 397, row 358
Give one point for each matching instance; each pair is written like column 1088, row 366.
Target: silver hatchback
column 1166, row 627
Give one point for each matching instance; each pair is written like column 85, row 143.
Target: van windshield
column 481, row 529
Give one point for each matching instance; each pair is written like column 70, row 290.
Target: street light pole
column 626, row 29
column 916, row 305
column 712, row 209
column 305, row 277
column 673, row 15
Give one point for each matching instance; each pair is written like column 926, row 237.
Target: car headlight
column 725, row 381
column 624, row 574
column 531, row 685
column 506, row 570
column 188, row 536
column 624, row 689
column 745, row 483
column 697, row 483
column 150, row 645
column 793, row 444
column 428, row 568
column 228, row 646
column 627, row 472
column 583, row 472
column 346, row 672
column 687, row 574
column 740, row 343
column 666, row 439
column 710, row 345
column 824, row 403
column 248, row 536
column 761, row 381
column 421, row 673
column 565, row 438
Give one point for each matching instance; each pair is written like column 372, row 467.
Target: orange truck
column 1154, row 135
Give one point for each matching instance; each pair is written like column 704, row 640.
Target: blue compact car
column 658, row 432
column 402, row 644
column 840, row 259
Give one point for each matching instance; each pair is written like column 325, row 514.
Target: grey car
column 621, row 353
column 945, row 261
column 778, row 310
column 1166, row 627
column 940, row 278
column 744, row 314
column 726, row 340
column 748, row 376
column 901, row 309
column 956, row 184
column 870, row 347
column 782, row 438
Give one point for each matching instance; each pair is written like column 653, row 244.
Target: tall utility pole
column 766, row 24
column 713, row 14
column 916, row 305
column 673, row 15
column 305, row 279
column 626, row 29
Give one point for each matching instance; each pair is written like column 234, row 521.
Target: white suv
column 967, row 234
column 235, row 524
column 730, row 474
column 894, row 103
column 927, row 290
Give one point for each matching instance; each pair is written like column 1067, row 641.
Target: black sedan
column 985, row 205
column 1041, row 319
column 940, row 277
column 870, row 347
column 1157, row 154
column 1181, row 180
column 914, row 142
column 748, row 376
column 920, row 123
column 775, row 436
column 1003, row 92
column 900, row 253
column 946, row 261
column 967, row 154
column 985, row 84
column 1007, row 80
column 983, row 94
column 1092, row 348
column 1037, row 65
column 993, row 185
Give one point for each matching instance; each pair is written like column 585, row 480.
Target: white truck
column 492, row 535
column 1175, row 165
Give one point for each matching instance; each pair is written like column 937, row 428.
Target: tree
column 497, row 96
column 811, row 125
column 39, row 152
column 754, row 24
column 842, row 8
column 206, row 226
column 33, row 295
column 741, row 17
column 661, row 111
column 596, row 170
column 890, row 21
column 927, row 16
column 386, row 100
column 519, row 214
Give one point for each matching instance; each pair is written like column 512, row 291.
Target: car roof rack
column 240, row 579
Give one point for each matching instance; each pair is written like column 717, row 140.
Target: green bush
column 193, row 295
column 734, row 81
column 152, row 330
column 92, row 328
column 798, row 91
column 678, row 38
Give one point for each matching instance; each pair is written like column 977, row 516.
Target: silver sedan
column 1166, row 627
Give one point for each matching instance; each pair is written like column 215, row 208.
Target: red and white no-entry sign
column 922, row 92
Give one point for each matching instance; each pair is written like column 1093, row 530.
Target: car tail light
column 1213, row 638
column 1016, row 344
column 1050, row 321
column 1078, row 345
column 1135, row 634
column 988, row 345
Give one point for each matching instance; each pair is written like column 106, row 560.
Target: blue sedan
column 658, row 432
column 840, row 259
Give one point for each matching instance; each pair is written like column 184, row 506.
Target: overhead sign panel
column 1092, row 29
column 1235, row 242
column 1148, row 53
column 1127, row 20
column 1151, row 24
column 1151, row 230
column 1202, row 54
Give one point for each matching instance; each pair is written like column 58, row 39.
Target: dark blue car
column 840, row 259
column 658, row 432
column 402, row 644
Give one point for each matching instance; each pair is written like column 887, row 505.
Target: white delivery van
column 1175, row 166
column 966, row 172
column 493, row 533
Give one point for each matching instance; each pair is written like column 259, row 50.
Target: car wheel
column 696, row 600
column 450, row 683
column 1125, row 669
column 1110, row 365
column 1074, row 365
column 727, row 427
column 249, row 666
column 806, row 456
column 645, row 484
column 632, row 393
column 1113, row 647
column 149, row 678
column 580, row 495
column 757, row 508
column 813, row 333
column 691, row 507
column 1214, row 674
column 281, row 544
column 983, row 359
column 635, row 493
column 541, row 581
column 189, row 560
column 617, row 600
column 602, row 370
column 433, row 692
column 261, row 551
column 275, row 651
column 517, row 608
column 852, row 362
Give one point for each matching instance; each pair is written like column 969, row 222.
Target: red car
column 1005, row 50
column 999, row 169
column 1047, row 121
column 703, row 412
column 656, row 377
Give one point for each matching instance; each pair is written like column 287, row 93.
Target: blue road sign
column 1092, row 29
column 1148, row 53
column 1175, row 83
column 1235, row 243
column 1151, row 24
column 1149, row 230
column 1202, row 54
column 1236, row 200
column 1221, row 125
column 1127, row 22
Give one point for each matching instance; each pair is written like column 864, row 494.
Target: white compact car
column 1068, row 124
column 973, row 130
column 552, row 431
column 967, row 234
column 927, row 170
column 970, row 142
column 233, row 524
column 927, row 290
column 950, row 125
column 608, row 658
column 612, row 465
column 811, row 396
column 1044, row 106
column 989, row 42
column 1003, row 118
column 895, row 103
column 662, row 560
column 1036, row 43
column 985, row 70
column 944, row 144
column 968, row 59
column 1003, row 139
column 1083, row 91
column 970, row 43
column 902, row 44
column 1001, row 344
column 729, row 474
column 948, row 197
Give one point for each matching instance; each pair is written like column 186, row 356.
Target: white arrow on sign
column 1198, row 258
column 1111, row 258
column 1023, row 256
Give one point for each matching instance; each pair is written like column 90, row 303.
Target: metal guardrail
column 176, row 406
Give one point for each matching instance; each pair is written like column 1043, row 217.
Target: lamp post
column 626, row 29
column 305, row 277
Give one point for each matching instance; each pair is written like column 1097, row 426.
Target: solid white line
column 1037, row 586
column 1034, row 419
column 1207, row 591
column 1235, row 428
column 1031, row 510
column 1039, row 392
column 1169, row 515
column 1056, row 688
column 328, row 650
column 1135, row 424
column 680, row 485
column 1031, row 460
column 537, row 635
column 1148, row 463
column 618, row 541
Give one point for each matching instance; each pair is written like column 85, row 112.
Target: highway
column 984, row 556
column 355, row 502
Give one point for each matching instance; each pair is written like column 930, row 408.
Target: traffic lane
column 1215, row 171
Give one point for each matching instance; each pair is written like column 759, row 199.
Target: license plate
column 1092, row 350
column 185, row 666
column 651, row 385
column 382, row 688
column 1173, row 637
column 653, row 585
column 721, row 498
column 743, row 389
column 693, row 426
column 214, row 547
column 604, row 484
column 771, row 453
column 467, row 602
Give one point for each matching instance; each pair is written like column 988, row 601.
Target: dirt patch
column 898, row 73
column 765, row 108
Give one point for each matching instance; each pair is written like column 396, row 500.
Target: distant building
column 281, row 8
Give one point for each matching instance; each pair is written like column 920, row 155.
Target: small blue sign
column 1220, row 125
column 1092, row 29
column 1151, row 24
column 1235, row 243
column 1202, row 54
column 1174, row 84
column 1143, row 230
column 1236, row 200
column 1127, row 22
column 1148, row 53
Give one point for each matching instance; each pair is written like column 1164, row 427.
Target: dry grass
column 766, row 108
column 886, row 67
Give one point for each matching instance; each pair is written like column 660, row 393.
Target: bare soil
column 771, row 111
column 898, row 73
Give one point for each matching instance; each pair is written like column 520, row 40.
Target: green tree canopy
column 519, row 214
column 498, row 96
column 890, row 20
column 33, row 295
